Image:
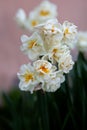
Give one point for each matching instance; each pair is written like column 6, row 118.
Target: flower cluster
column 47, row 49
column 82, row 41
column 46, row 10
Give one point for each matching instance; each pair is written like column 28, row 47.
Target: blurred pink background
column 11, row 58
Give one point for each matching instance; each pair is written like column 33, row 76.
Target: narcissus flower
column 82, row 41
column 43, row 69
column 27, row 78
column 32, row 46
column 54, row 82
column 51, row 33
column 32, row 20
column 69, row 34
column 46, row 10
column 56, row 52
column 65, row 62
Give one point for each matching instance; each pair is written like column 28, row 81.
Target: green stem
column 43, row 109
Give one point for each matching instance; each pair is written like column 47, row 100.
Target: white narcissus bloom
column 57, row 51
column 82, row 41
column 46, row 10
column 27, row 78
column 32, row 20
column 65, row 62
column 51, row 33
column 32, row 46
column 69, row 34
column 43, row 69
column 50, row 27
column 54, row 82
column 21, row 18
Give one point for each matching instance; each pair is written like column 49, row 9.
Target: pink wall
column 10, row 55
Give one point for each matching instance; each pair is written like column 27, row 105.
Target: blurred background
column 11, row 58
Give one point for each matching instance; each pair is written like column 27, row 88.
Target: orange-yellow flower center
column 66, row 31
column 44, row 69
column 34, row 23
column 28, row 76
column 44, row 13
column 32, row 43
column 55, row 50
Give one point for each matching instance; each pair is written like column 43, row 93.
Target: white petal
column 24, row 38
column 21, row 15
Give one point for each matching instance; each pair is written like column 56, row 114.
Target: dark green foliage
column 66, row 109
